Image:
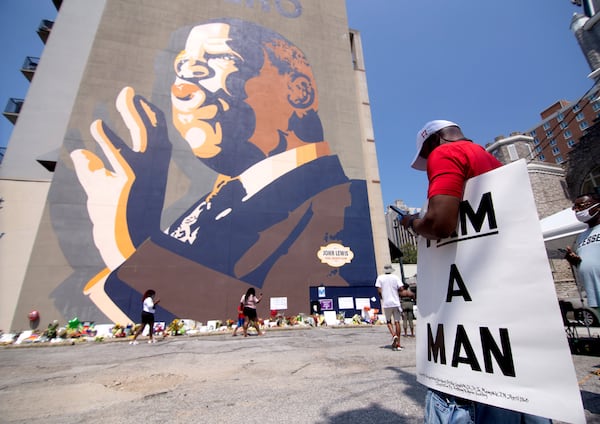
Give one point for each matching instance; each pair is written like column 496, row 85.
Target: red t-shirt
column 451, row 164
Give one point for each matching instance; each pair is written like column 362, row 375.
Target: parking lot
column 314, row 375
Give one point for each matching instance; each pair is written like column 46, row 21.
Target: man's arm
column 572, row 257
column 439, row 221
column 406, row 292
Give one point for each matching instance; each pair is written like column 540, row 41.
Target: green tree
column 409, row 253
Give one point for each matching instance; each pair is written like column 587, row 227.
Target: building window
column 568, row 134
column 538, row 149
column 560, row 117
column 596, row 106
column 555, row 151
column 542, row 157
column 591, row 182
column 559, row 159
column 570, row 143
column 548, row 133
column 564, row 125
column 576, row 108
column 532, row 133
column 512, row 152
column 353, row 51
column 553, row 142
column 583, row 125
column 580, row 116
column 546, row 125
column 536, row 141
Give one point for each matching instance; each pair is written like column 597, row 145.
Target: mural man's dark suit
column 245, row 100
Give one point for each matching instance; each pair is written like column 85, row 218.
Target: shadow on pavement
column 370, row 414
column 416, row 391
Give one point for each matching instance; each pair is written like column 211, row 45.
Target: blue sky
column 492, row 67
column 19, row 21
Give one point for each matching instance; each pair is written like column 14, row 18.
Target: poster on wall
column 346, row 302
column 278, row 303
column 479, row 289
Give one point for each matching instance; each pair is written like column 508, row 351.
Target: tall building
column 550, row 148
column 561, row 127
column 583, row 169
column 587, row 33
column 583, row 173
column 197, row 148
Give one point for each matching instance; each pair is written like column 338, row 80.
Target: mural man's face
column 199, row 94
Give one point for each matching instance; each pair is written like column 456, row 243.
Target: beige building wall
column 21, row 211
column 549, row 188
column 38, row 134
column 380, row 237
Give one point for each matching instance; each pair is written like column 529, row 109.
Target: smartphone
column 398, row 211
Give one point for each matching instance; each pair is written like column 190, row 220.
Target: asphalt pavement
column 313, row 375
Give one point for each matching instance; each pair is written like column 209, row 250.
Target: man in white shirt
column 389, row 286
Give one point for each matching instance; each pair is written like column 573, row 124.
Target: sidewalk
column 322, row 375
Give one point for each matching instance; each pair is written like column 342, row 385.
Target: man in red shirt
column 450, row 159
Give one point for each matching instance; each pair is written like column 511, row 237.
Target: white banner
column 489, row 326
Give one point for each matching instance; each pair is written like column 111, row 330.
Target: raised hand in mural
column 125, row 195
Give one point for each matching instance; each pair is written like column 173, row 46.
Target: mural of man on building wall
column 245, row 100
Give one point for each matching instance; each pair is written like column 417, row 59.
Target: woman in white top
column 147, row 315
column 249, row 302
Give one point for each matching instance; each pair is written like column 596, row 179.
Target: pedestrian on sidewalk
column 389, row 286
column 241, row 319
column 585, row 254
column 248, row 303
column 148, row 304
column 407, row 301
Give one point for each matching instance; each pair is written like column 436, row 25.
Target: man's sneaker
column 398, row 349
column 151, row 341
column 133, row 342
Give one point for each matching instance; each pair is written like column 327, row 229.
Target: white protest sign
column 489, row 326
column 278, row 303
column 362, row 303
column 345, row 303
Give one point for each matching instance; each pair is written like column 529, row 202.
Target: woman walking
column 149, row 302
column 249, row 302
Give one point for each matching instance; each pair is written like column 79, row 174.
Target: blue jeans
column 446, row 409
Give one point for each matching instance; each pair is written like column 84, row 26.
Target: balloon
column 74, row 323
column 34, row 316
